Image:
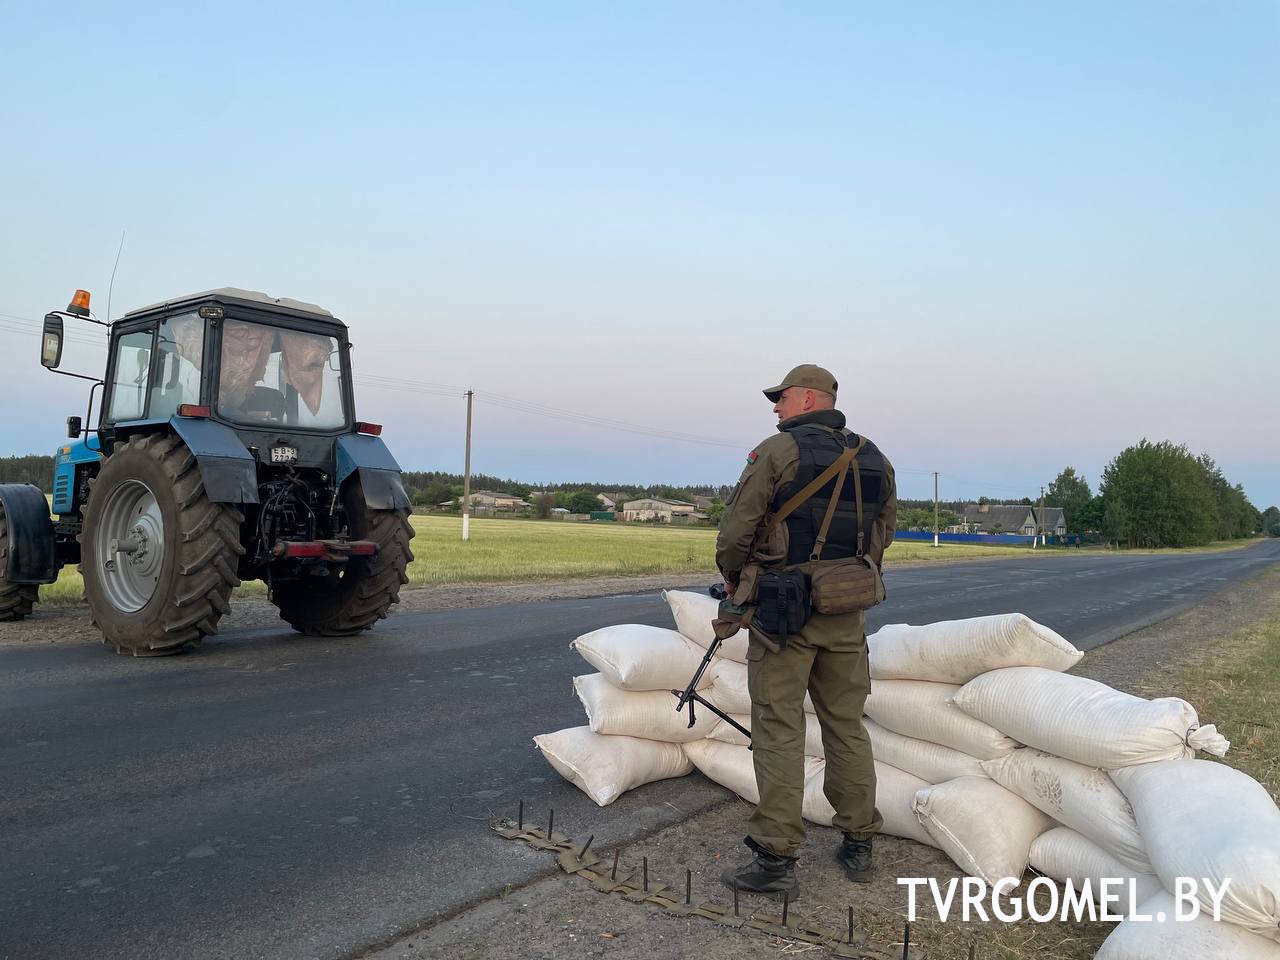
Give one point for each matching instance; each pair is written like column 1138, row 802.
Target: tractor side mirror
column 73, row 427
column 51, row 341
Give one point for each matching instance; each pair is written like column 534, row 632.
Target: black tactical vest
column 819, row 448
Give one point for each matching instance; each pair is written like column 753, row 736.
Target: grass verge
column 1239, row 689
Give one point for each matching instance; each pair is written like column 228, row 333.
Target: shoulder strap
column 850, row 456
column 839, row 467
column 857, row 497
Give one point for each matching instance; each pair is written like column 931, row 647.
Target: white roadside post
column 466, row 477
column 935, row 508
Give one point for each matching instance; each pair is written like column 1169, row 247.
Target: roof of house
column 1009, row 516
column 671, row 503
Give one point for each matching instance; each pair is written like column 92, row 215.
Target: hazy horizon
column 1022, row 238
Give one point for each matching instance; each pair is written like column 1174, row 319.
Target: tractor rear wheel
column 360, row 593
column 157, row 555
column 16, row 599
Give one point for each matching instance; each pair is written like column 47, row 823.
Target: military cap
column 807, row 375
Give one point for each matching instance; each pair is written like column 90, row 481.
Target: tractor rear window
column 271, row 375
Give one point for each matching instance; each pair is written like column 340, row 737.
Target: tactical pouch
column 845, row 586
column 782, row 603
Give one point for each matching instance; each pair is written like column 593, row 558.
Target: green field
column 505, row 551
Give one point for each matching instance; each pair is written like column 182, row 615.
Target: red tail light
column 192, row 410
column 370, row 429
column 306, row 549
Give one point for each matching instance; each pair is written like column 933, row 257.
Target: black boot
column 768, row 875
column 855, row 857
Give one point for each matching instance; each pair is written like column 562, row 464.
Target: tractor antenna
column 111, row 286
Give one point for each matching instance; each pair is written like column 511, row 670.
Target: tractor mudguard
column 31, row 554
column 375, row 468
column 229, row 472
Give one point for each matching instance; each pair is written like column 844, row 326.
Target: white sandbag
column 895, row 794
column 727, row 764
column 1065, row 855
column 930, row 762
column 728, row 689
column 956, row 651
column 1206, row 820
column 1084, row 720
column 1170, row 939
column 727, row 733
column 649, row 714
column 693, row 613
column 633, row 656
column 731, row 766
column 603, row 767
column 984, row 828
column 922, row 709
column 1082, row 798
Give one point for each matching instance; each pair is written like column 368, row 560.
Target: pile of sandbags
column 984, row 748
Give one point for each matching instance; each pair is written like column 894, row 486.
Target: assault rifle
column 689, row 695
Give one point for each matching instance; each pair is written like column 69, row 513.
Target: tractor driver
column 245, row 350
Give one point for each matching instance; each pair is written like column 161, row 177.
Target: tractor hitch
column 334, row 551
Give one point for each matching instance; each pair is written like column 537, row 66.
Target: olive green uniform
column 827, row 658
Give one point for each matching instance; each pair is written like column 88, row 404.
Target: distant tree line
column 1151, row 495
column 1159, row 495
column 33, row 468
column 433, row 488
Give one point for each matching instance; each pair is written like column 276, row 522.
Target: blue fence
column 990, row 539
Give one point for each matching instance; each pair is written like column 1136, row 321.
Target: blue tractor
column 226, row 449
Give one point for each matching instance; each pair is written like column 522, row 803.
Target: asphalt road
column 273, row 796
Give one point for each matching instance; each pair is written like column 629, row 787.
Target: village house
column 488, row 501
column 1012, row 518
column 606, row 501
column 658, row 509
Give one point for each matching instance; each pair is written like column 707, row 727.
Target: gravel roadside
column 69, row 623
column 563, row 917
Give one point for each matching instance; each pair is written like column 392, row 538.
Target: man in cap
column 827, row 657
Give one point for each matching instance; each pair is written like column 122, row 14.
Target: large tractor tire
column 362, row 592
column 16, row 599
column 157, row 555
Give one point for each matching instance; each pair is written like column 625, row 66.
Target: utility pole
column 935, row 508
column 1043, row 540
column 466, row 476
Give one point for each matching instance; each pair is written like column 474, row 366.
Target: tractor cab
column 226, row 449
column 247, row 360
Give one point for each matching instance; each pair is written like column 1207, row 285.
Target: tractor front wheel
column 157, row 555
column 360, row 594
column 16, row 599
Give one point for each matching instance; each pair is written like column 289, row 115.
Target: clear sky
column 1022, row 235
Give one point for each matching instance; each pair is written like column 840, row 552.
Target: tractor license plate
column 284, row 454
